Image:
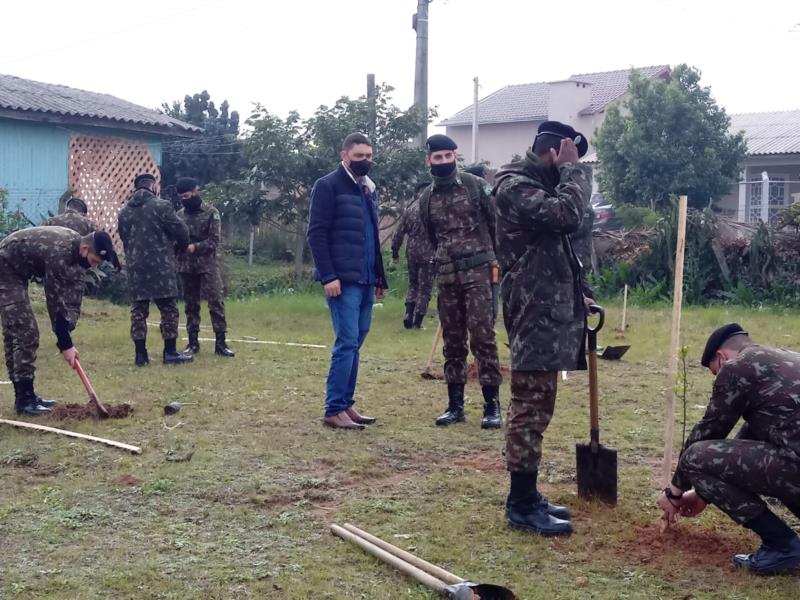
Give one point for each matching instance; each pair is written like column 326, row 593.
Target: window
column 777, row 196
column 754, row 192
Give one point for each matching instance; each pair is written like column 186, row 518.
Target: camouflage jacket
column 460, row 220
column 72, row 219
column 204, row 233
column 762, row 386
column 418, row 247
column 50, row 254
column 537, row 209
column 151, row 232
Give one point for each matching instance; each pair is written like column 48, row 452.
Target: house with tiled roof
column 508, row 118
column 55, row 139
column 770, row 174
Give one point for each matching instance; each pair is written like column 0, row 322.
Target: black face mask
column 192, row 203
column 443, row 170
column 84, row 262
column 360, row 167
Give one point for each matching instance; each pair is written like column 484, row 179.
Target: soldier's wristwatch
column 670, row 496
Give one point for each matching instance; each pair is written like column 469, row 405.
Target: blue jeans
column 351, row 313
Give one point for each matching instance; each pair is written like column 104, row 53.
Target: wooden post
column 624, row 309
column 74, row 434
column 675, row 339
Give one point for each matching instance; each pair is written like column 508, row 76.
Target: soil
column 80, row 412
column 693, row 545
column 127, row 480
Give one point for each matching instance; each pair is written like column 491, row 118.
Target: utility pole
column 371, row 106
column 475, row 122
column 420, row 25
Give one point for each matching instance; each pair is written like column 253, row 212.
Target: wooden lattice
column 102, row 170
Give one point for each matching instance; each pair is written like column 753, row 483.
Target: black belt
column 466, row 262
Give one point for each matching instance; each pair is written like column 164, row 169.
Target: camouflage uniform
column 151, row 232
column 48, row 253
column 72, row 219
column 582, row 242
column 199, row 270
column 461, row 228
column 762, row 386
column 419, row 252
column 537, row 208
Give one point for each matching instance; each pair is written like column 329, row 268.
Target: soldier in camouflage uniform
column 151, row 233
column 74, row 217
column 762, row 386
column 59, row 257
column 198, row 267
column 421, row 266
column 582, row 242
column 540, row 200
column 457, row 213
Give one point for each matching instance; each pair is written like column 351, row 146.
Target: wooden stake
column 675, row 339
column 82, row 436
column 624, row 309
column 435, row 343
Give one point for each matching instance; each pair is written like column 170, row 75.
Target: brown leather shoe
column 360, row 419
column 341, row 421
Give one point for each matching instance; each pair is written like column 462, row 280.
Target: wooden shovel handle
column 594, row 410
column 86, row 383
column 436, row 337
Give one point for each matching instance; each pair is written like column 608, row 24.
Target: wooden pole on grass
column 675, row 339
column 624, row 309
column 74, row 434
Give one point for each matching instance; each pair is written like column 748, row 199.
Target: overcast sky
column 297, row 54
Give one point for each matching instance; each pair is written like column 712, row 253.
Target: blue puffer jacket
column 336, row 229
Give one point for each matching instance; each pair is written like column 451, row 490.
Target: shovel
column 427, row 374
column 435, row 578
column 93, row 399
column 596, row 466
column 614, row 352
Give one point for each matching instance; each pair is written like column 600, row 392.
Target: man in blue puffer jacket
column 343, row 237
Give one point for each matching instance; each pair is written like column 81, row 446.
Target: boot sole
column 493, row 426
column 786, row 566
column 450, row 423
column 527, row 529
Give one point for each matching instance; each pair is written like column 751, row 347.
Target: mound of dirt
column 80, row 412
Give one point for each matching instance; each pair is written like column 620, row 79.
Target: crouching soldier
column 59, row 257
column 760, row 385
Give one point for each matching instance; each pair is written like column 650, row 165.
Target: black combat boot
column 193, row 347
column 221, row 346
column 455, row 405
column 491, row 407
column 172, row 356
column 780, row 546
column 142, row 358
column 528, row 511
column 408, row 318
column 41, row 401
column 418, row 318
column 25, row 400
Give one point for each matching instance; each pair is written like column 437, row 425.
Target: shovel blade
column 614, row 352
column 596, row 471
column 486, row 591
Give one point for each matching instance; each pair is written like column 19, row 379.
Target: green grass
column 248, row 515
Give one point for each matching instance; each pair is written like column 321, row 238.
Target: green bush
column 632, row 217
column 9, row 221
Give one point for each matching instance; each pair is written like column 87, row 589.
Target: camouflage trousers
column 533, row 400
column 465, row 311
column 734, row 474
column 20, row 340
column 421, row 275
column 208, row 285
column 140, row 310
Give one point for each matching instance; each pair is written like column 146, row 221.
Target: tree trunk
column 299, row 249
column 250, row 252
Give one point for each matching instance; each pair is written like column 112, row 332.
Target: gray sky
column 297, row 54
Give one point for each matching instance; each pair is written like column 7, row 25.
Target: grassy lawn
column 247, row 516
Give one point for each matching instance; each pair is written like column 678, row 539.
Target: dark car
column 604, row 217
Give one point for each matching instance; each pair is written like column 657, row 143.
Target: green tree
column 668, row 138
column 215, row 155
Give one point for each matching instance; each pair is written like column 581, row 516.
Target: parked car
column 604, row 217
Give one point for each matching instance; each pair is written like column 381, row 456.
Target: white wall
column 497, row 143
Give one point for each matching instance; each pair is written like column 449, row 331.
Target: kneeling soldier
column 762, row 386
column 59, row 257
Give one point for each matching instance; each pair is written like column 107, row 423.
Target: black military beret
column 77, row 204
column 563, row 131
column 439, row 142
column 104, row 248
column 186, row 184
column 719, row 337
column 144, row 179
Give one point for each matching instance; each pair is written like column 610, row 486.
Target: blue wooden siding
column 34, row 162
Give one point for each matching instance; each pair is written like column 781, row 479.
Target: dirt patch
column 126, row 480
column 689, row 545
column 80, row 412
column 484, row 462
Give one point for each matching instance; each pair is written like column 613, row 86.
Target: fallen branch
column 82, row 436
